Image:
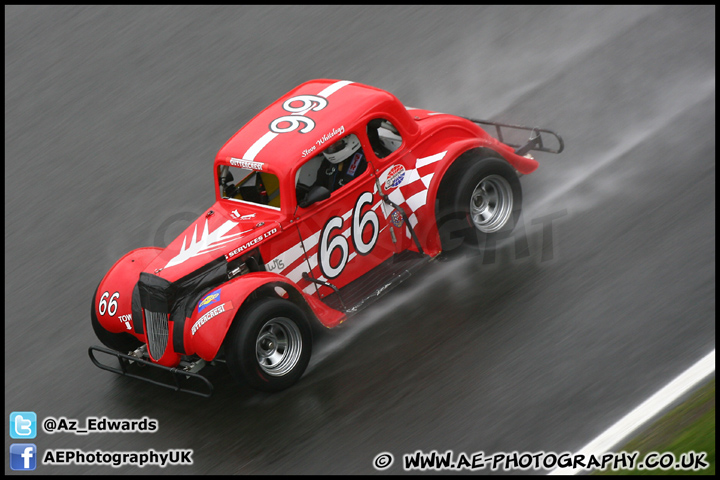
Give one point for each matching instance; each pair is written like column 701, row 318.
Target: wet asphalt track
column 112, row 119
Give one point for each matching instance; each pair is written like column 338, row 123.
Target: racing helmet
column 342, row 149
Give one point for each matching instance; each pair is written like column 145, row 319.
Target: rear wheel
column 269, row 345
column 484, row 201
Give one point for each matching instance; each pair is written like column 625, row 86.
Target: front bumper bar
column 183, row 380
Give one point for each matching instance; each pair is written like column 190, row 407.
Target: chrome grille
column 156, row 325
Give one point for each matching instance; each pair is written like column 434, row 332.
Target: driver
column 344, row 160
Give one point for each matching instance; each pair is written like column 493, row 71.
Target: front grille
column 156, row 325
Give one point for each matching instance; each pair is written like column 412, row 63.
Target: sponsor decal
column 126, row 319
column 275, row 266
column 396, row 219
column 227, row 306
column 249, row 164
column 249, row 244
column 355, row 163
column 395, row 177
column 209, row 299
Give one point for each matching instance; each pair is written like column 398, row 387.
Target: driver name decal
column 323, row 139
column 328, row 136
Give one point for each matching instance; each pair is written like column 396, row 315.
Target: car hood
column 223, row 230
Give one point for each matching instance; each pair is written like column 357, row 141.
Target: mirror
column 316, row 194
column 226, row 177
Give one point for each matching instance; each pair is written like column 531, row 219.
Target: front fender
column 113, row 298
column 205, row 331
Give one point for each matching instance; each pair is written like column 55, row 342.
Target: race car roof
column 306, row 120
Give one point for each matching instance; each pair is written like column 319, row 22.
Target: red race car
column 324, row 201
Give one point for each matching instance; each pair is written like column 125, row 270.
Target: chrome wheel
column 278, row 346
column 491, row 204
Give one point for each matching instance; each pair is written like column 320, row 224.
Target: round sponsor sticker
column 396, row 218
column 395, row 176
column 208, row 300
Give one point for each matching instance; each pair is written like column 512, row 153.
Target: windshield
column 245, row 185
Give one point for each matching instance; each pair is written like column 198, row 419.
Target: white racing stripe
column 421, row 162
column 417, row 200
column 289, row 256
column 296, row 274
column 396, row 197
column 410, row 177
column 333, row 88
column 612, row 437
column 259, row 145
column 426, row 180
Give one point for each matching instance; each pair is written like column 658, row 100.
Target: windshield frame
column 247, row 174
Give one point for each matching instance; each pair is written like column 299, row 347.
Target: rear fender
column 212, row 317
column 113, row 298
column 452, row 164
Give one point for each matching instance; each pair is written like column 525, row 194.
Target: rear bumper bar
column 534, row 143
column 183, row 381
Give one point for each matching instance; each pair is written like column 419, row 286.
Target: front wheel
column 269, row 345
column 485, row 201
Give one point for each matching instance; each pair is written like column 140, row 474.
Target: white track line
column 648, row 409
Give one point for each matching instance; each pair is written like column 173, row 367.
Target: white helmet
column 342, row 149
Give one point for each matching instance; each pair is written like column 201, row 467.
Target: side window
column 384, row 137
column 307, row 177
column 339, row 164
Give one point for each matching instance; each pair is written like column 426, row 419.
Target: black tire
column 490, row 186
column 122, row 342
column 269, row 345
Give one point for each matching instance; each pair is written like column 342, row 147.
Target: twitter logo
column 23, row 425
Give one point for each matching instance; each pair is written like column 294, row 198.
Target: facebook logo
column 23, row 425
column 23, row 456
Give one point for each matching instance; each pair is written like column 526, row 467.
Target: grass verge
column 690, row 427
